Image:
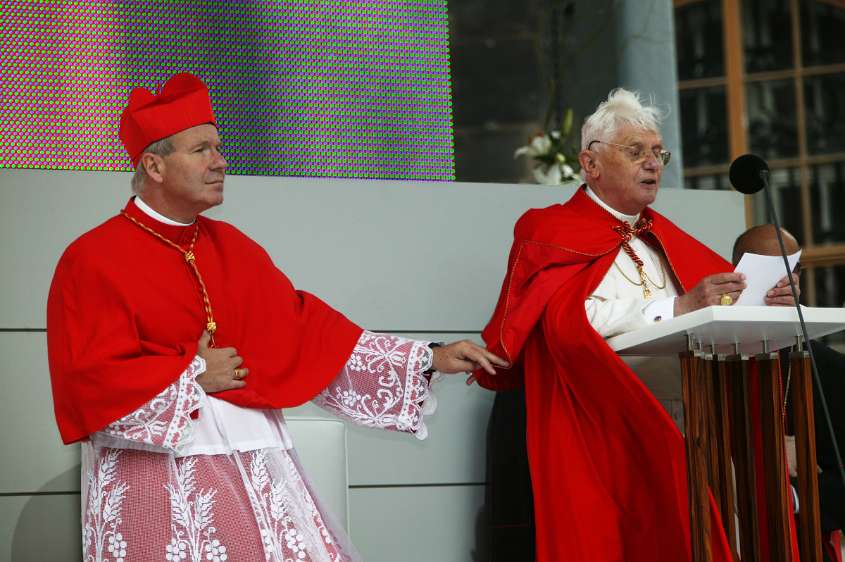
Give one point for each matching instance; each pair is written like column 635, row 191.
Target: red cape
column 608, row 464
column 124, row 315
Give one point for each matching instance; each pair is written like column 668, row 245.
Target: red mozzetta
column 125, row 313
column 607, row 462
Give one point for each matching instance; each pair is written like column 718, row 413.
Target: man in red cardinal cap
column 607, row 462
column 174, row 342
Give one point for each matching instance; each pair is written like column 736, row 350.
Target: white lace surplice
column 157, row 485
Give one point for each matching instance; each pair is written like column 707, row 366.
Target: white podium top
column 723, row 326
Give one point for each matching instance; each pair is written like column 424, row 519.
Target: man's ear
column 588, row 164
column 154, row 166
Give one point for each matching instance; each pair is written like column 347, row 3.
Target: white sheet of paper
column 761, row 274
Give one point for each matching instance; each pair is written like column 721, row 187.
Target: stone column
column 645, row 44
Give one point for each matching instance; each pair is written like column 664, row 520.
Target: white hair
column 622, row 107
column 161, row 147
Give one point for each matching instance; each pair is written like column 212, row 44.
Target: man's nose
column 651, row 162
column 219, row 162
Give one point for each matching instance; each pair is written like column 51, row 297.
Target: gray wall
column 418, row 259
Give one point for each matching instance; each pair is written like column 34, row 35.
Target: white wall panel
column 34, row 459
column 40, row 528
column 422, row 524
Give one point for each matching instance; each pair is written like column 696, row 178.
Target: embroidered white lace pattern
column 101, row 536
column 192, row 518
column 141, row 505
column 164, row 421
column 383, row 386
column 283, row 506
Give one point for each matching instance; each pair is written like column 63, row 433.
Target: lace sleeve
column 383, row 385
column 163, row 423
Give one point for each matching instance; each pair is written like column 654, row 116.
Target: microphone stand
column 764, row 176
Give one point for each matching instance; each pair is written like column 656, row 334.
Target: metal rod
column 817, row 379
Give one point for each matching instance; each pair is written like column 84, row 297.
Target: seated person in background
column 831, row 364
column 607, row 463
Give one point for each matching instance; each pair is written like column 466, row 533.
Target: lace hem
column 420, row 401
column 165, row 421
column 139, row 506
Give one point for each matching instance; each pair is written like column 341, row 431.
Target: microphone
column 749, row 174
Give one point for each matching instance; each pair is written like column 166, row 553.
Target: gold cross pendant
column 644, row 282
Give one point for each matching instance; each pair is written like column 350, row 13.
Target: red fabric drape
column 124, row 315
column 760, row 468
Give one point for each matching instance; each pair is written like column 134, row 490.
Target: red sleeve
column 100, row 368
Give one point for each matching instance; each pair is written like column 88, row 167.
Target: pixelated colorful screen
column 355, row 88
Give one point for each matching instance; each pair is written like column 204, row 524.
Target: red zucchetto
column 181, row 103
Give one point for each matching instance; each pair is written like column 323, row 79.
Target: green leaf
column 566, row 128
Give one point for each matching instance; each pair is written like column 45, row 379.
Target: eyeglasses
column 639, row 153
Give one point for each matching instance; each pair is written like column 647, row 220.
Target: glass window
column 807, row 180
column 830, row 286
column 699, row 40
column 830, row 291
column 824, row 97
column 704, row 129
column 822, row 29
column 772, row 129
column 827, row 189
column 785, row 185
column 767, row 35
column 707, row 182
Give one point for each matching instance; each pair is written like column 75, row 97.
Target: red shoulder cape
column 124, row 315
column 607, row 462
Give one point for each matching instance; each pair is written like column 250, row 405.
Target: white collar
column 150, row 212
column 621, row 216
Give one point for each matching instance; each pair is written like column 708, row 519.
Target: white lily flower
column 550, row 147
column 541, row 144
column 538, row 146
column 521, row 151
column 547, row 175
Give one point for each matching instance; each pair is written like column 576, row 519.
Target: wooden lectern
column 715, row 345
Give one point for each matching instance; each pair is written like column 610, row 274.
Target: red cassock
column 608, row 465
column 125, row 313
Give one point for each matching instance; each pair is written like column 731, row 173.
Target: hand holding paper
column 761, row 273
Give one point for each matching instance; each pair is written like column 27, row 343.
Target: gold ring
column 726, row 300
column 240, row 373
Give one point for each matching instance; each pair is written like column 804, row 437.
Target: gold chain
column 643, row 278
column 190, row 259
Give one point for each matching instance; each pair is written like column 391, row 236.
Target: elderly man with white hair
column 607, row 462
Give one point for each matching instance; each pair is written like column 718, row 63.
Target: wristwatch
column 432, row 345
